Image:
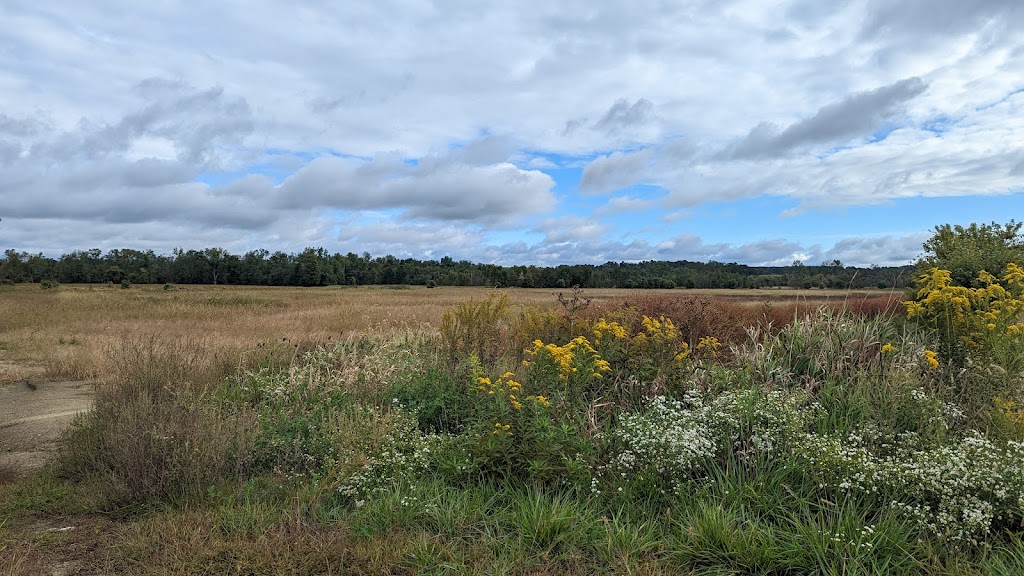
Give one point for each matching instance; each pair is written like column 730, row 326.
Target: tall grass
column 156, row 430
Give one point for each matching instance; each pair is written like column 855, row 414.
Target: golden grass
column 69, row 331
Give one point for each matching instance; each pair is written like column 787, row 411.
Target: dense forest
column 317, row 267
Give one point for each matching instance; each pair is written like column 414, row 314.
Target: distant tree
column 217, row 259
column 967, row 251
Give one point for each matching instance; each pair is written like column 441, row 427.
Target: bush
column 49, row 284
column 517, row 432
column 156, row 431
column 370, row 452
column 438, row 400
column 298, row 404
column 985, row 322
column 959, row 491
column 966, row 252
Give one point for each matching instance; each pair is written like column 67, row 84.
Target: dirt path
column 33, row 414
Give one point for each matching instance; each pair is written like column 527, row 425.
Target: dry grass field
column 68, row 332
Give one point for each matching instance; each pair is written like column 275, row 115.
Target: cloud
column 621, row 204
column 570, row 229
column 939, row 18
column 624, row 116
column 198, row 125
column 441, row 188
column 20, row 127
column 407, row 240
column 882, row 250
column 110, row 172
column 87, row 174
column 614, row 171
column 857, row 115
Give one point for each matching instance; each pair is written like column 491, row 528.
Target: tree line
column 317, row 267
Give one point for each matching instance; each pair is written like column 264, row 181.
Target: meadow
column 366, row 430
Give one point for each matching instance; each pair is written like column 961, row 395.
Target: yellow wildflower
column 709, row 345
column 614, row 329
column 683, row 354
column 930, row 358
column 887, row 348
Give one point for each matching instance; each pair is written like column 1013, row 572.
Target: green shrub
column 371, row 451
column 298, row 405
column 517, row 433
column 439, row 400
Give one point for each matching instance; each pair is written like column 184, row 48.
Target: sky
column 554, row 132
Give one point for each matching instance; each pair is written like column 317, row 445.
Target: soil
column 33, row 414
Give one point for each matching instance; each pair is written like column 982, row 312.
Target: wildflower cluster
column 515, row 432
column 666, row 445
column 576, row 362
column 1009, row 409
column 708, row 347
column 661, row 329
column 1008, row 417
column 958, row 491
column 610, row 330
column 658, row 348
column 508, row 389
column 671, row 442
column 370, row 465
column 970, row 320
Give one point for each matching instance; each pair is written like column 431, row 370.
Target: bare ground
column 33, row 414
